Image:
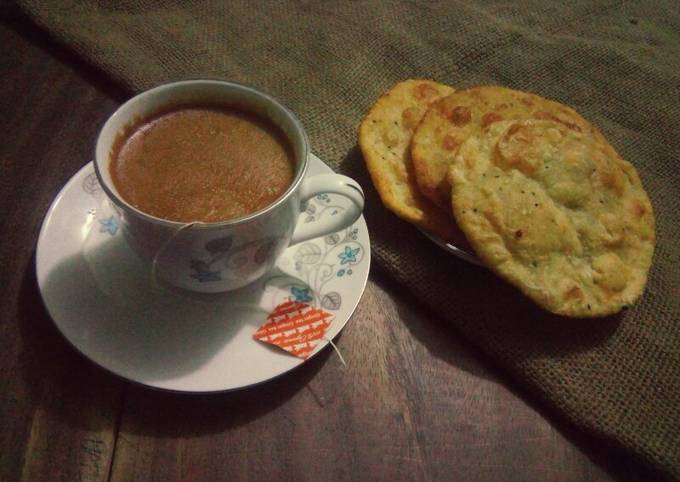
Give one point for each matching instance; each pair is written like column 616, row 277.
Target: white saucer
column 101, row 297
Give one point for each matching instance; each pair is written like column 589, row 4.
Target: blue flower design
column 204, row 276
column 203, row 272
column 108, row 225
column 349, row 255
column 301, row 294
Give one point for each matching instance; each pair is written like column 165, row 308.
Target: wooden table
column 415, row 403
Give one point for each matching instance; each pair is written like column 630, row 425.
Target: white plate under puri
column 468, row 256
column 102, row 299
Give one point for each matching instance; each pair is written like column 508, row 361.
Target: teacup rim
column 123, row 204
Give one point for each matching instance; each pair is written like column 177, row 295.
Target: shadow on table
column 57, row 378
column 534, row 335
column 176, row 415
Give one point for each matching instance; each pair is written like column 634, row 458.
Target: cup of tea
column 209, row 180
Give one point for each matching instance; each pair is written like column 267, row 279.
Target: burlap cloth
column 617, row 62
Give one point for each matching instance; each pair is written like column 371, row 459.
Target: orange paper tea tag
column 296, row 327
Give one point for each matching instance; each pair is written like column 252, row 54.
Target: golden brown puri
column 454, row 118
column 384, row 138
column 557, row 213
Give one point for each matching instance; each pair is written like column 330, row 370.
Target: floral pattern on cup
column 223, row 254
column 204, row 270
column 91, row 186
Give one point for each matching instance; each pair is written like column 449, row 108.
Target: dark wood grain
column 414, row 402
column 58, row 413
column 411, row 405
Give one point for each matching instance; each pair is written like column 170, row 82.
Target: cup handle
column 334, row 184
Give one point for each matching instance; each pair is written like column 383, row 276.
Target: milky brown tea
column 206, row 163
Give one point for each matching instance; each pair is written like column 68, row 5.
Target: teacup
column 222, row 256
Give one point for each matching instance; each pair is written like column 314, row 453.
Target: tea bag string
column 154, row 262
column 337, row 351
